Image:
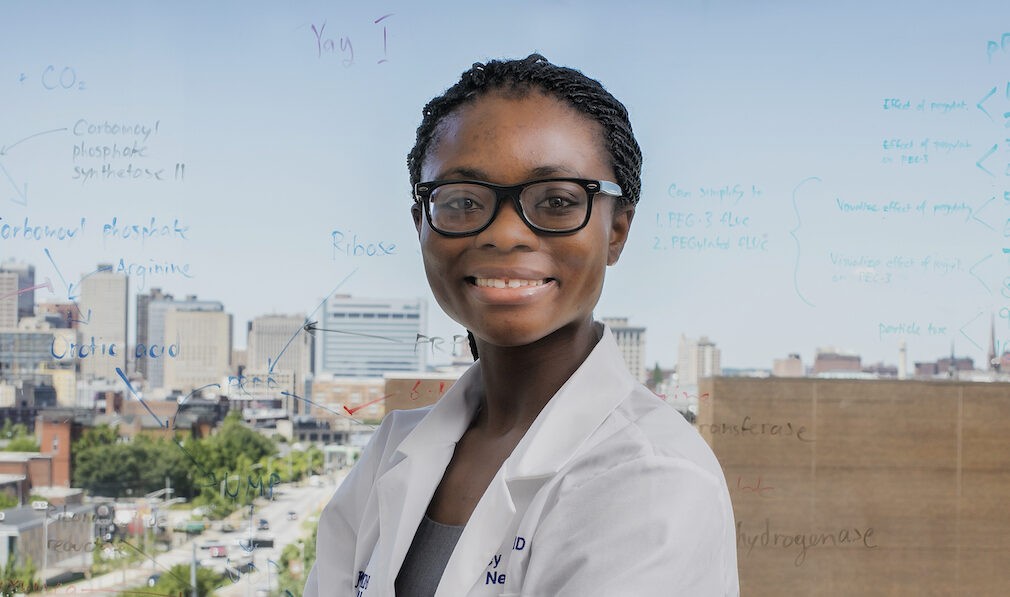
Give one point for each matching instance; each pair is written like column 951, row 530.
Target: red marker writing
column 351, row 411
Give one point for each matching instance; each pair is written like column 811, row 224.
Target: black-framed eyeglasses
column 550, row 205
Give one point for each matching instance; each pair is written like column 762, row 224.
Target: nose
column 508, row 230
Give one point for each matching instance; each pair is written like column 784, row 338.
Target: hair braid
column 517, row 78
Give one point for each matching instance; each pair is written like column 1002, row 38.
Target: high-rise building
column 631, row 342
column 279, row 342
column 8, row 300
column 364, row 337
column 278, row 346
column 697, row 359
column 26, row 280
column 157, row 311
column 203, row 354
column 103, row 306
column 143, row 321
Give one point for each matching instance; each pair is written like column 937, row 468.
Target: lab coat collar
column 448, row 419
column 581, row 405
column 415, row 469
column 571, row 415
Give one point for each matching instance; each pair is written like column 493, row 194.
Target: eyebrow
column 538, row 172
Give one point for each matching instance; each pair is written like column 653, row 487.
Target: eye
column 557, row 202
column 462, row 198
column 462, row 203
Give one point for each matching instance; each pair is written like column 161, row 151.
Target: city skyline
column 157, row 302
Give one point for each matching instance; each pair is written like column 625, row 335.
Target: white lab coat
column 610, row 492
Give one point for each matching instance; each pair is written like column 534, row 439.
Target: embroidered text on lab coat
column 493, row 576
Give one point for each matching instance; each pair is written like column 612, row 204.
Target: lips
column 509, row 287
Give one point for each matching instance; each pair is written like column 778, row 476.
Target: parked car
column 153, row 579
column 292, row 515
column 258, row 541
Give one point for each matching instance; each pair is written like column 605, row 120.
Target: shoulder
column 646, row 432
column 642, row 509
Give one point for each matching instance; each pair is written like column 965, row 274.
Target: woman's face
column 508, row 141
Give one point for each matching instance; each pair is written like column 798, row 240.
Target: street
column 304, row 501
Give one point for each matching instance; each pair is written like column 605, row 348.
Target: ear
column 415, row 212
column 620, row 225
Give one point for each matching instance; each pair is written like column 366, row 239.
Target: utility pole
column 192, row 573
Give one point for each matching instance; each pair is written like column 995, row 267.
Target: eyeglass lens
column 555, row 206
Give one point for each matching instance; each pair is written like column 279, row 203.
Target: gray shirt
column 426, row 559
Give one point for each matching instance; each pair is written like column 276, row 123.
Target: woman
column 546, row 469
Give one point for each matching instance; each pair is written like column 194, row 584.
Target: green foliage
column 105, row 466
column 22, row 444
column 113, row 556
column 17, row 580
column 232, row 466
column 289, row 581
column 19, row 440
column 176, row 581
column 12, row 431
column 7, row 500
column 656, row 377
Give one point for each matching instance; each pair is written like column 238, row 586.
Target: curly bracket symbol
column 792, row 233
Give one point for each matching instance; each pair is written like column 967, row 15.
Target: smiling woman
column 547, row 469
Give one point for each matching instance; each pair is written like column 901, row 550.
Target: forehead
column 508, row 137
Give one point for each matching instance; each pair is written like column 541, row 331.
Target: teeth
column 506, row 283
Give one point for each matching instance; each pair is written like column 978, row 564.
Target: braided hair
column 517, row 78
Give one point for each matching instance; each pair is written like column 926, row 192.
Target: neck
column 520, row 380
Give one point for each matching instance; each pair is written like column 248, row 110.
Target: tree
column 656, row 377
column 289, row 581
column 105, row 466
column 176, row 581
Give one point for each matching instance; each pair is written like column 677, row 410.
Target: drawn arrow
column 975, row 212
column 129, row 386
column 21, row 191
column 4, row 148
column 991, row 93
column 991, row 151
column 273, row 362
column 70, row 287
column 966, row 335
column 351, row 411
column 70, row 320
column 327, row 409
column 46, row 284
column 182, row 402
column 311, row 328
column 971, row 271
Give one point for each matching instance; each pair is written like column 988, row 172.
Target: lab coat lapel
column 481, row 539
column 405, row 489
column 404, row 493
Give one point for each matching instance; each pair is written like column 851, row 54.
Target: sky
column 815, row 175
